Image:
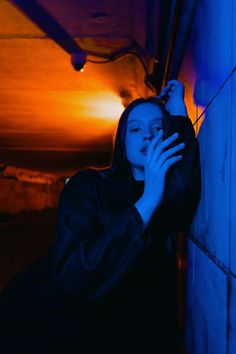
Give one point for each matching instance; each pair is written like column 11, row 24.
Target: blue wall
column 211, row 266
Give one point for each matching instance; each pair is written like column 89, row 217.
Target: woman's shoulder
column 88, row 179
column 90, row 174
column 98, row 186
column 89, row 185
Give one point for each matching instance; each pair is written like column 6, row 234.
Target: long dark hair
column 120, row 166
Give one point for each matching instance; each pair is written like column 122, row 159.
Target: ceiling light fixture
column 78, row 60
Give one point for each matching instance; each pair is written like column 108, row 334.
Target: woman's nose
column 148, row 135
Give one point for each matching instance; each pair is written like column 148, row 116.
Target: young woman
column 109, row 283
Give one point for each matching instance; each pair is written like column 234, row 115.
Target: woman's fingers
column 157, row 146
column 165, row 143
column 158, row 161
column 168, row 163
column 153, row 143
column 177, row 88
column 168, row 153
column 170, row 87
column 169, row 140
column 165, row 90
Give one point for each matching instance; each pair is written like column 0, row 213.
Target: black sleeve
column 183, row 182
column 86, row 260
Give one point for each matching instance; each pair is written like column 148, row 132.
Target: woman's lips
column 144, row 151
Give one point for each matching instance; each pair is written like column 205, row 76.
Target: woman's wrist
column 178, row 108
column 145, row 209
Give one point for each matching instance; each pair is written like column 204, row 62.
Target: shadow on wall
column 212, row 61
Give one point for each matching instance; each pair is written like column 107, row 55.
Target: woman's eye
column 134, row 130
column 156, row 128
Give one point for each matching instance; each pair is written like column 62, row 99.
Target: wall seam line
column 219, row 264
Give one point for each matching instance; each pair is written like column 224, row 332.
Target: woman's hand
column 158, row 161
column 173, row 94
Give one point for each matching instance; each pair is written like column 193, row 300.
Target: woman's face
column 144, row 122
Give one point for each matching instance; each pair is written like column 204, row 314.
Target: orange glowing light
column 104, row 106
column 82, row 70
column 59, row 117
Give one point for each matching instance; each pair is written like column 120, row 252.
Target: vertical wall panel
column 232, row 317
column 233, row 144
column 211, row 53
column 208, row 333
column 211, row 265
column 212, row 218
column 212, row 43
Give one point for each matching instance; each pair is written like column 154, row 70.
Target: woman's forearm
column 178, row 109
column 145, row 209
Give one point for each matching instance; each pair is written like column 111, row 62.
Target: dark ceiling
column 45, row 104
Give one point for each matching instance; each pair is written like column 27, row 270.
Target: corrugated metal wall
column 211, row 267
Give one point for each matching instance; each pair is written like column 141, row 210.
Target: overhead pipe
column 181, row 41
column 44, row 20
column 176, row 17
column 167, row 13
column 53, row 29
